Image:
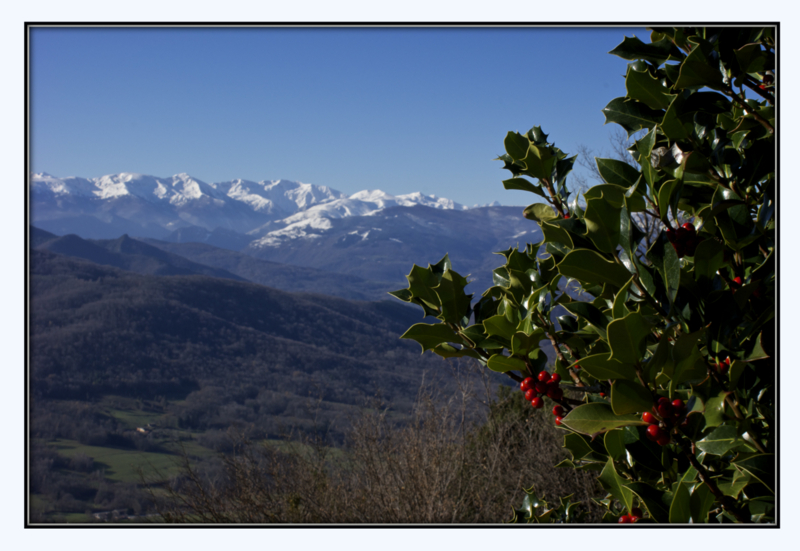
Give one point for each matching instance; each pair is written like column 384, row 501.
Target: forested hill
column 98, row 329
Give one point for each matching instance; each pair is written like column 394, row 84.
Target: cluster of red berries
column 736, row 282
column 684, row 239
column 546, row 385
column 723, row 366
column 635, row 515
column 669, row 413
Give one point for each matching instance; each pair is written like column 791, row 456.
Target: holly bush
column 664, row 377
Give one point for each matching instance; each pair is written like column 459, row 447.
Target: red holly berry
column 662, row 439
column 654, row 431
column 602, row 394
column 688, row 226
column 664, row 407
column 566, row 216
column 537, row 402
column 530, row 394
column 558, row 411
column 671, row 235
column 576, row 367
column 555, row 378
column 541, row 387
column 762, row 86
column 526, row 384
column 678, row 405
column 558, row 420
column 625, row 519
column 544, row 376
column 728, row 361
column 636, row 513
column 555, row 393
column 736, row 283
column 649, row 418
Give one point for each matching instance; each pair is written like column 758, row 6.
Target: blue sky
column 397, row 109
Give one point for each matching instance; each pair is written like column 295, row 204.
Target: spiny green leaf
column 761, row 467
column 721, row 440
column 539, row 212
column 502, row 364
column 653, row 500
column 627, row 336
column 657, row 52
column 630, row 397
column 590, row 267
column 429, row 335
column 647, row 89
column 615, row 485
column 596, row 418
column 631, row 115
column 680, row 509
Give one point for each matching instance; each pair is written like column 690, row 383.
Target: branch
column 729, row 92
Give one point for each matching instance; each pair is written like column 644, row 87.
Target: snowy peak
column 269, row 210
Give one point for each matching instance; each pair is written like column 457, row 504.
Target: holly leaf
column 590, row 267
column 631, row 115
column 630, row 397
column 597, row 417
column 627, row 336
column 428, row 336
column 647, row 89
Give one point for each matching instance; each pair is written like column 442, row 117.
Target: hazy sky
column 397, row 109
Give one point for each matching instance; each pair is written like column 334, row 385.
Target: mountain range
column 150, row 206
column 369, row 236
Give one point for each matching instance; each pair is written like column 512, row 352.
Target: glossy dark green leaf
column 524, row 185
column 652, row 499
column 630, row 397
column 602, row 367
column 617, row 172
column 577, row 446
column 539, row 162
column 500, row 326
column 631, row 115
column 616, row 196
column 403, row 294
column 614, row 441
column 615, row 485
column 700, row 503
column 590, row 267
column 680, row 510
column 421, row 282
column 597, row 418
column 657, row 52
column 539, row 212
column 627, row 336
column 665, row 260
column 454, row 302
column 647, row 89
column 721, row 440
column 428, row 336
column 591, row 314
column 619, row 310
column 516, row 145
column 752, row 58
column 447, row 351
column 698, row 71
column 602, row 224
column 761, row 467
column 733, row 486
column 503, row 364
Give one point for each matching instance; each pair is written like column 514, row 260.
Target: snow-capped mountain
column 272, row 210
